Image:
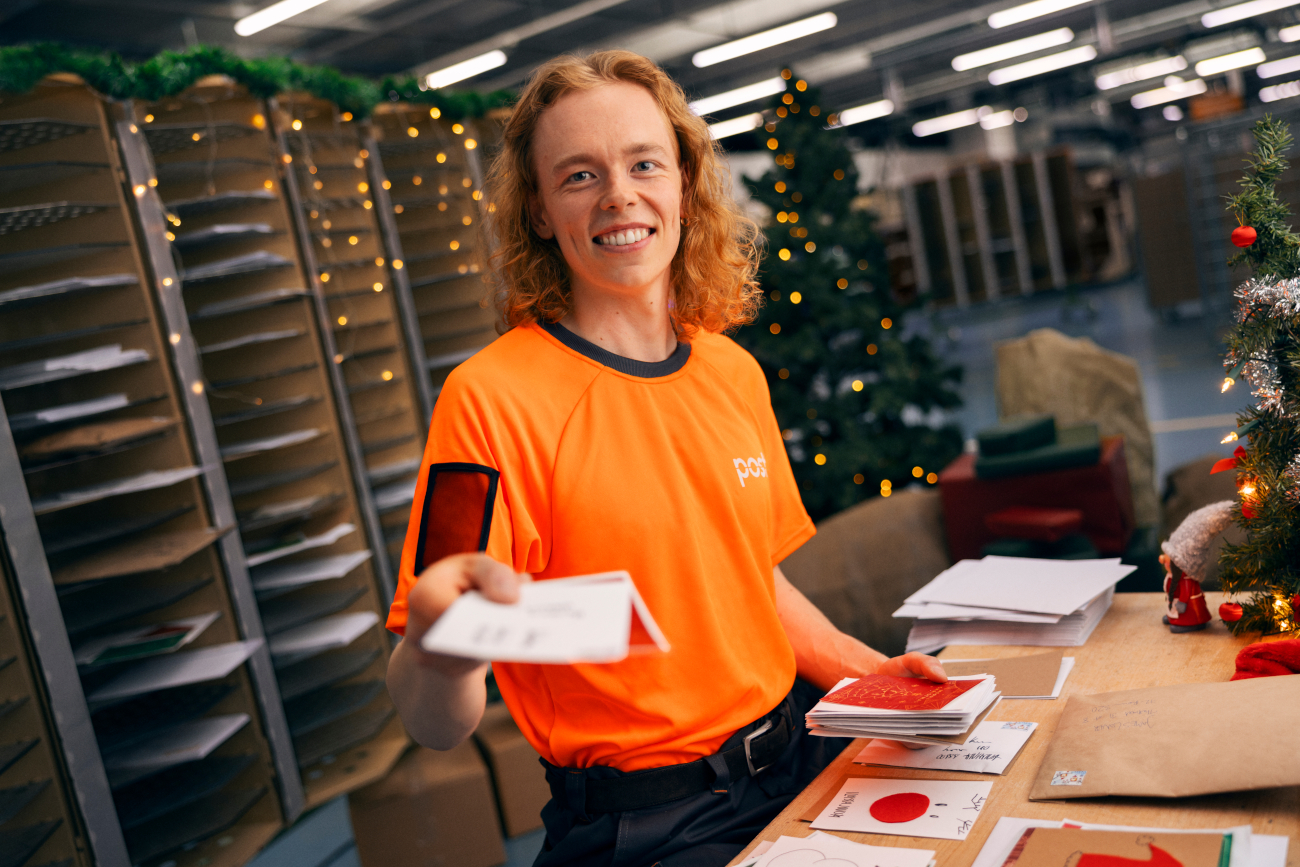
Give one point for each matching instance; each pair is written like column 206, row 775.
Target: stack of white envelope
column 1012, row 600
column 876, row 699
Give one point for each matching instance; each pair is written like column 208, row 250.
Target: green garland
column 169, row 73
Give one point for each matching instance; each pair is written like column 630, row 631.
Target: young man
column 606, row 429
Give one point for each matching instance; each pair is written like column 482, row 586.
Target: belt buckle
column 749, row 759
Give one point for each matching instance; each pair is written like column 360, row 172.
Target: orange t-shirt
column 674, row 471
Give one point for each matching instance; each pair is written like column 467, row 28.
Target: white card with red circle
column 944, row 809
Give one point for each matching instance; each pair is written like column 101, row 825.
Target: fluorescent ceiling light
column 1286, row 90
column 1235, row 60
column 465, row 69
column 944, row 123
column 736, row 125
column 996, row 119
column 1141, row 72
column 870, row 111
column 1026, row 11
column 1274, row 68
column 739, row 96
column 1229, row 14
column 1289, row 34
column 1170, row 92
column 766, row 39
column 272, row 15
column 1007, row 50
column 1040, row 65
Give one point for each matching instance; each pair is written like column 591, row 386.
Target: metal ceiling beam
column 515, row 35
column 398, row 21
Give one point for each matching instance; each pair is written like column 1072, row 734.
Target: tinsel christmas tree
column 859, row 404
column 1264, row 349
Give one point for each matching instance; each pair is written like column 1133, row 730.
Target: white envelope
column 559, row 621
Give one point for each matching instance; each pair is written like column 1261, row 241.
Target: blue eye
column 579, row 176
column 645, row 166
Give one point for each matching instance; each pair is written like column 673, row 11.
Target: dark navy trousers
column 703, row 830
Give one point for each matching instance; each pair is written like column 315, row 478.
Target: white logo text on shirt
column 750, row 468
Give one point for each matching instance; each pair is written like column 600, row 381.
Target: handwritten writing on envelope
column 1174, row 741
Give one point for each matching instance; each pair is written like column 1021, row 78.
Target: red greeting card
column 887, row 692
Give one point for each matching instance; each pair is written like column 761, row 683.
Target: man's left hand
column 914, row 665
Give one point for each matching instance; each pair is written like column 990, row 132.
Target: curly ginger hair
column 713, row 273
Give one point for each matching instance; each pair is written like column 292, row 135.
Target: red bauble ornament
column 1230, row 612
column 1244, row 236
column 1295, row 603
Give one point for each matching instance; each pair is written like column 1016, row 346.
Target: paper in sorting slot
column 250, row 340
column 221, row 232
column 1035, row 676
column 270, row 514
column 219, row 201
column 329, row 537
column 387, row 472
column 587, row 618
column 1134, row 742
column 301, row 572
column 184, row 742
column 244, row 449
column 67, row 286
column 147, row 481
column 944, row 809
column 246, row 302
column 92, row 439
column 45, row 370
column 150, row 640
column 267, row 407
column 989, row 750
column 339, row 630
column 394, row 496
column 285, row 612
column 103, row 604
column 1024, row 584
column 247, row 263
column 821, row 848
column 23, row 421
column 177, row 669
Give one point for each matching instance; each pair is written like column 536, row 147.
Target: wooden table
column 1130, row 649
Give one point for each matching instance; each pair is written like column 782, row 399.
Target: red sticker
column 902, row 807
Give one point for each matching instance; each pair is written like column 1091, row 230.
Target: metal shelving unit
column 148, row 661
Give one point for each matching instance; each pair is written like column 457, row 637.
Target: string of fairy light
column 790, row 105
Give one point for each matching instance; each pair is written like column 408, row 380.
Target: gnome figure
column 1184, row 561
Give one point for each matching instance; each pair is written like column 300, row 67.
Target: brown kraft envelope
column 1016, row 675
column 1175, row 741
column 1072, row 847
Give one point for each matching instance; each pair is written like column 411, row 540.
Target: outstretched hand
column 914, row 665
column 442, row 584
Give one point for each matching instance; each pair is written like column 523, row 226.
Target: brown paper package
column 1175, row 741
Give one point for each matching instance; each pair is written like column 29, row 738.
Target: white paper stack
column 956, row 717
column 1012, row 600
column 828, row 849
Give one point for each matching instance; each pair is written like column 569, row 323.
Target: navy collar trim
column 630, row 366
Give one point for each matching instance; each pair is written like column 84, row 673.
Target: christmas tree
column 1264, row 349
column 859, row 404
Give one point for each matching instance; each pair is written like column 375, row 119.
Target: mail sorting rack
column 436, row 195
column 129, row 605
column 37, row 824
column 268, row 378
column 383, row 375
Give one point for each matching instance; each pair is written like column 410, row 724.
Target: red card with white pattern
column 887, row 692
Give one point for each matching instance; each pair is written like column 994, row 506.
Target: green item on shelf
column 1076, row 446
column 1017, row 435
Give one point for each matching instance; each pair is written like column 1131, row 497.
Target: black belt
column 639, row 790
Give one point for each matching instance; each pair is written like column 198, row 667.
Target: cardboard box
column 520, row 779
column 434, row 809
column 1101, row 492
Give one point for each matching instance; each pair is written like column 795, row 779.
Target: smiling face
column 609, row 190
